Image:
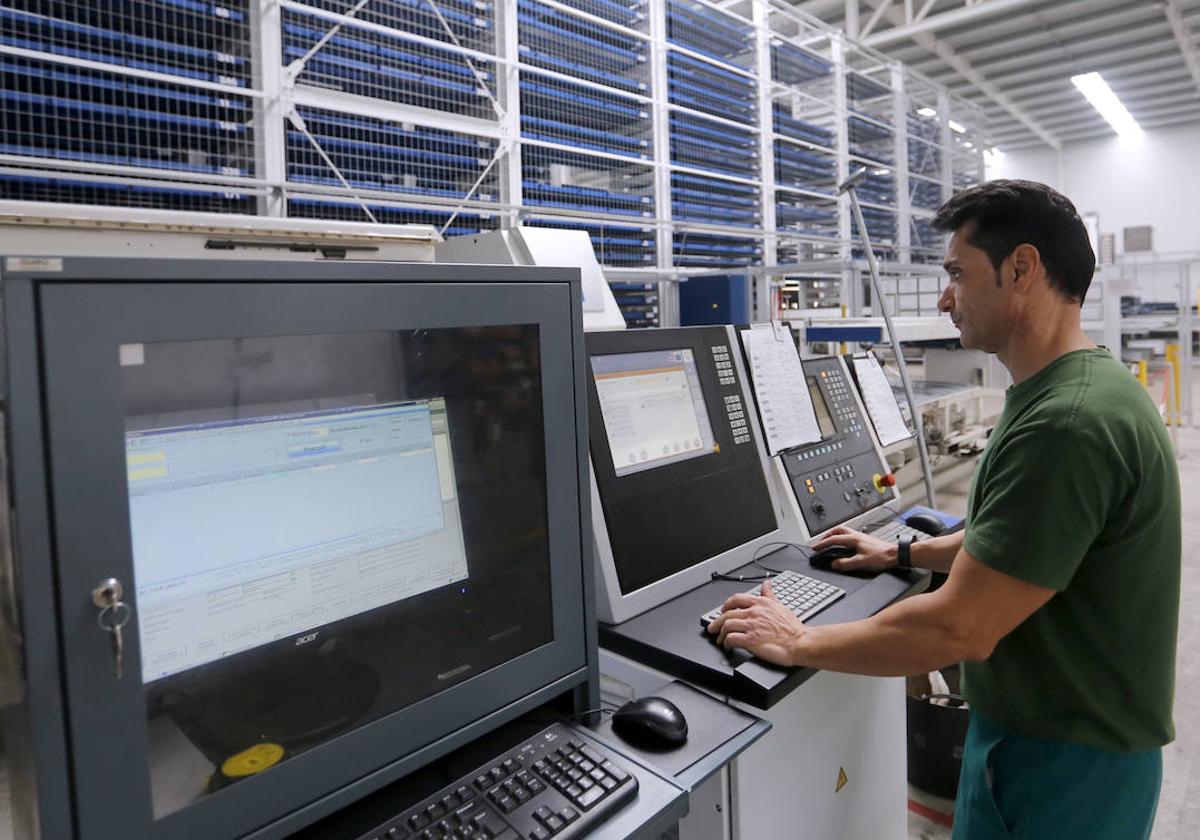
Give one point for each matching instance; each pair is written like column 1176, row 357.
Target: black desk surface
column 669, row 637
column 717, row 733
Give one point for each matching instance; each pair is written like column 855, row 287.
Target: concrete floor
column 1179, row 803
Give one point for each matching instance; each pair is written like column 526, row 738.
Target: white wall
column 1154, row 181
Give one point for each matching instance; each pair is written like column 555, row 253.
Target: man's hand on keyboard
column 760, row 624
column 871, row 554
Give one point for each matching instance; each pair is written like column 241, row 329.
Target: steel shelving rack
column 685, row 136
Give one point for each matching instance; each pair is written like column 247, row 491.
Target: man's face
column 978, row 304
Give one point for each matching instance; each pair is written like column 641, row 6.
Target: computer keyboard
column 551, row 785
column 803, row 595
column 893, row 529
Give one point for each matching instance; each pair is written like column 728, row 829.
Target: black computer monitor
column 679, row 466
column 345, row 505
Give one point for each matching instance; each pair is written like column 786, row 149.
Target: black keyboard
column 552, row 785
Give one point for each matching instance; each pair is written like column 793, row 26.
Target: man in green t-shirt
column 1062, row 599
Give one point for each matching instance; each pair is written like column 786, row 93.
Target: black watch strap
column 904, row 552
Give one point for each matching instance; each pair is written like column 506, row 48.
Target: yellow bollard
column 1173, row 360
column 1142, row 374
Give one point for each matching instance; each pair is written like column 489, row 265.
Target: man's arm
column 873, row 554
column 963, row 620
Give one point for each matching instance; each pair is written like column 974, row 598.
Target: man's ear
column 1025, row 261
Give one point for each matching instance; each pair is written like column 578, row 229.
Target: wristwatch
column 904, row 552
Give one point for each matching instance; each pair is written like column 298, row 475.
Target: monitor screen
column 333, row 513
column 679, row 477
column 824, row 418
column 325, row 530
column 653, row 408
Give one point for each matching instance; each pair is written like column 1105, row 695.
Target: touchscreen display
column 653, row 409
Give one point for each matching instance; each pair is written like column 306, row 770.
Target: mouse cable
column 770, row 573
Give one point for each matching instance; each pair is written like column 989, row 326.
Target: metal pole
column 850, row 185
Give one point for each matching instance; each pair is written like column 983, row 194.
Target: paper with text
column 880, row 401
column 784, row 403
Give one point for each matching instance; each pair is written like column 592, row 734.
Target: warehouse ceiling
column 1015, row 58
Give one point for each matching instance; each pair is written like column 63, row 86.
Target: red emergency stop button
column 882, row 482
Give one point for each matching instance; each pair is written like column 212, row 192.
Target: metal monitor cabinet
column 678, row 466
column 212, row 437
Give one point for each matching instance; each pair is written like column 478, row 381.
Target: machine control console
column 836, row 478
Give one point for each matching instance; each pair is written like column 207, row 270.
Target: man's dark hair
column 1009, row 213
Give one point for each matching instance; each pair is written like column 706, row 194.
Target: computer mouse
column 925, row 522
column 824, row 558
column 651, row 722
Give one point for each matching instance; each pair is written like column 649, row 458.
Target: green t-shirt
column 1078, row 492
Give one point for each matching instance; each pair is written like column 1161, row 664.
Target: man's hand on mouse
column 871, row 554
column 759, row 624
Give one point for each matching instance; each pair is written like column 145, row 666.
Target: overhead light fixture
column 968, row 145
column 1097, row 91
column 926, row 112
column 954, row 126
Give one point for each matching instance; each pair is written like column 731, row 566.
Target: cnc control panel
column 840, row 476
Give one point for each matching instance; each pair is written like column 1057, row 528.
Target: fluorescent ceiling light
column 926, row 112
column 1097, row 91
column 954, row 126
column 968, row 145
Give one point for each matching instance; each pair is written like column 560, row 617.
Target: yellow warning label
column 842, row 779
column 251, row 761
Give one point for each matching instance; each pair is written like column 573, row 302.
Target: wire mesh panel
column 706, row 87
column 879, row 188
column 693, row 248
column 968, row 128
column 616, row 245
column 112, row 192
column 190, row 39
column 587, row 183
column 794, row 65
column 924, row 194
column 556, row 40
column 381, row 155
column 51, row 110
column 367, row 61
column 881, row 225
column 469, row 22
column 714, row 146
column 707, row 31
column 696, row 198
column 924, row 159
column 805, row 214
column 461, row 223
column 584, row 117
column 928, row 245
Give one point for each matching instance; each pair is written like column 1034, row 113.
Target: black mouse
column 926, row 523
column 651, row 722
column 824, row 558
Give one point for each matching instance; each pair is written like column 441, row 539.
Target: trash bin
column 936, row 734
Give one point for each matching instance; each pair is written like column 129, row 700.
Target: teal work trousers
column 1018, row 788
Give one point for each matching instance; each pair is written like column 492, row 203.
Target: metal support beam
column 851, row 25
column 879, row 10
column 1183, row 37
column 964, row 68
column 958, row 17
